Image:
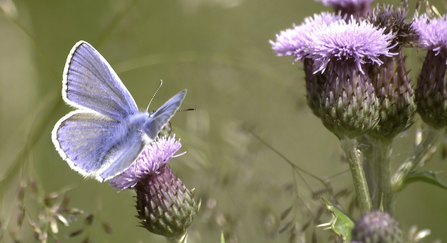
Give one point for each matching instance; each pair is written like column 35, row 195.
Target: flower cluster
column 357, row 83
column 354, row 68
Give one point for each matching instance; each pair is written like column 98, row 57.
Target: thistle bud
column 314, row 86
column 377, row 227
column 395, row 97
column 349, row 106
column 165, row 206
column 431, row 90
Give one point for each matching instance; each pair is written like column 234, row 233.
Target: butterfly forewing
column 90, row 82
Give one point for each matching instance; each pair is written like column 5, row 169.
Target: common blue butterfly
column 106, row 132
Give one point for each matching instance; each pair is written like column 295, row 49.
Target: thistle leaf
column 423, row 176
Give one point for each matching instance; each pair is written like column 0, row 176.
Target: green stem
column 431, row 135
column 355, row 159
column 381, row 156
column 179, row 239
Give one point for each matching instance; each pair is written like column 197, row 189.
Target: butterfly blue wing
column 162, row 116
column 106, row 135
column 122, row 156
column 96, row 146
column 90, row 82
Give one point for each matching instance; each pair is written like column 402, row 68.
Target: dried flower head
column 393, row 20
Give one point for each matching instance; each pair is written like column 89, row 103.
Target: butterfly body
column 106, row 133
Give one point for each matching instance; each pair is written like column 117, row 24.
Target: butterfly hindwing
column 96, row 146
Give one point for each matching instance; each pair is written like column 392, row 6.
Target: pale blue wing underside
column 90, row 82
column 162, row 116
column 96, row 146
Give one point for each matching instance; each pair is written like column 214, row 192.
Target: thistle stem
column 179, row 239
column 431, row 135
column 381, row 155
column 355, row 159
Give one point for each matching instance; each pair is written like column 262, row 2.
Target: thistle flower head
column 329, row 37
column 431, row 89
column 165, row 206
column 432, row 33
column 340, row 51
column 353, row 42
column 153, row 157
column 295, row 41
column 335, row 53
column 348, row 105
column 377, row 227
column 393, row 20
column 351, row 7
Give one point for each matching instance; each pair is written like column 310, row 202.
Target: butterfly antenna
column 161, row 83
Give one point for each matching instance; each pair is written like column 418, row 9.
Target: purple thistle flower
column 295, row 41
column 431, row 89
column 432, row 33
column 351, row 7
column 164, row 204
column 347, row 104
column 153, row 157
column 343, row 95
column 329, row 37
column 354, row 41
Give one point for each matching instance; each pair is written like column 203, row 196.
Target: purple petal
column 295, row 41
column 153, row 157
column 432, row 32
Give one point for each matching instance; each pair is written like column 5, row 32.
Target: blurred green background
column 219, row 51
